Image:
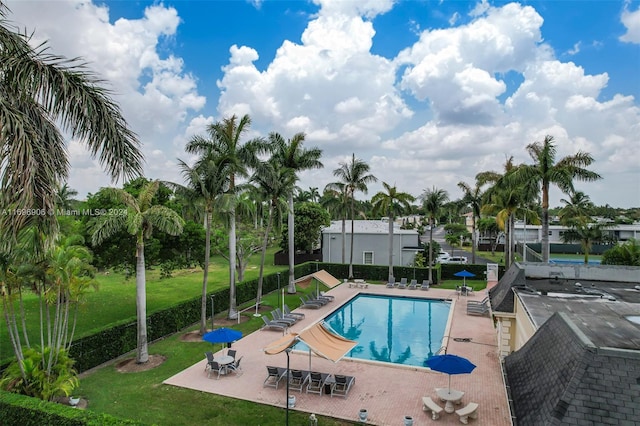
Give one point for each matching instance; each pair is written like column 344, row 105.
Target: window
column 367, row 258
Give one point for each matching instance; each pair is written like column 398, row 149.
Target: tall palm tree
column 38, row 91
column 506, row 198
column 314, row 195
column 546, row 171
column 432, row 201
column 391, row 203
column 473, row 198
column 206, row 181
column 225, row 145
column 354, row 175
column 274, row 183
column 292, row 155
column 140, row 220
column 64, row 197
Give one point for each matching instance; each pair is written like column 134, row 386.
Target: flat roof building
column 570, row 339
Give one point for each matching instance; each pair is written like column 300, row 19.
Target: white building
column 370, row 243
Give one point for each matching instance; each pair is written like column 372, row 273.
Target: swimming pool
column 400, row 330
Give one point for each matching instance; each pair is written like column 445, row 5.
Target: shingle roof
column 501, row 295
column 560, row 378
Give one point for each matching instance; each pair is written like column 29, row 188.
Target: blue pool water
column 573, row 261
column 400, row 330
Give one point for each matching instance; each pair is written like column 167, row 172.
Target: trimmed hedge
column 26, row 411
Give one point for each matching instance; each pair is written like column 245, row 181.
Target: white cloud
column 631, row 21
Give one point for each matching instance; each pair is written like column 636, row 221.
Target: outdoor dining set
column 222, row 364
column 450, row 364
column 309, row 381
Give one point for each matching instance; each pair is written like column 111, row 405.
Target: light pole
column 415, row 258
column 278, row 274
column 288, row 372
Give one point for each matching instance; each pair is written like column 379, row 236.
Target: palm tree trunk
column 141, row 303
column 351, row 251
column 390, row 247
column 473, row 239
column 205, row 279
column 344, row 240
column 430, row 251
column 265, row 242
column 545, row 223
column 291, row 289
column 233, row 309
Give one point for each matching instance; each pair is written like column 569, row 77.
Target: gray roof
column 366, row 227
column 501, row 295
column 559, row 377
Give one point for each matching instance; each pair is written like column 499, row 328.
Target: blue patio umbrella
column 450, row 364
column 222, row 335
column 464, row 274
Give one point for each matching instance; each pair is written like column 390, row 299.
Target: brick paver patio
column 388, row 392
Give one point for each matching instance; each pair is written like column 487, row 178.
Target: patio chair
column 286, row 317
column 480, row 309
column 342, row 385
column 325, row 296
column 232, row 353
column 269, row 324
column 313, row 299
column 425, row 285
column 316, row 382
column 209, row 356
column 298, row 379
column 235, row 366
column 392, row 282
column 403, row 283
column 310, row 305
column 413, row 285
column 275, row 374
column 215, row 367
column 287, row 311
column 277, row 317
column 475, row 302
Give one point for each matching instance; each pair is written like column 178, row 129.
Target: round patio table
column 450, row 396
column 224, row 361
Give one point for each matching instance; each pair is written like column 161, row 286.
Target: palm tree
column 225, row 145
column 206, row 181
column 141, row 219
column 577, row 207
column 64, row 197
column 39, row 90
column 293, row 156
column 355, row 177
column 546, row 171
column 274, row 183
column 473, row 198
column 314, row 195
column 586, row 234
column 432, row 201
column 391, row 203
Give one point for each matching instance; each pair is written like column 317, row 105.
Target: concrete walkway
column 388, row 392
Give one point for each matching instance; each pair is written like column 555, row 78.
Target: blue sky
column 429, row 93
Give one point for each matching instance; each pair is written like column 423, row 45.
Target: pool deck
column 388, row 392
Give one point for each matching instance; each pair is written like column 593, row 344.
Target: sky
column 428, row 93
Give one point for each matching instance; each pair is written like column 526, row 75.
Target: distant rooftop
column 366, row 227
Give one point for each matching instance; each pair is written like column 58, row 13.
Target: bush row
column 26, row 411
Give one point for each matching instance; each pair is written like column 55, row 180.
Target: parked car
column 456, row 259
column 442, row 257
